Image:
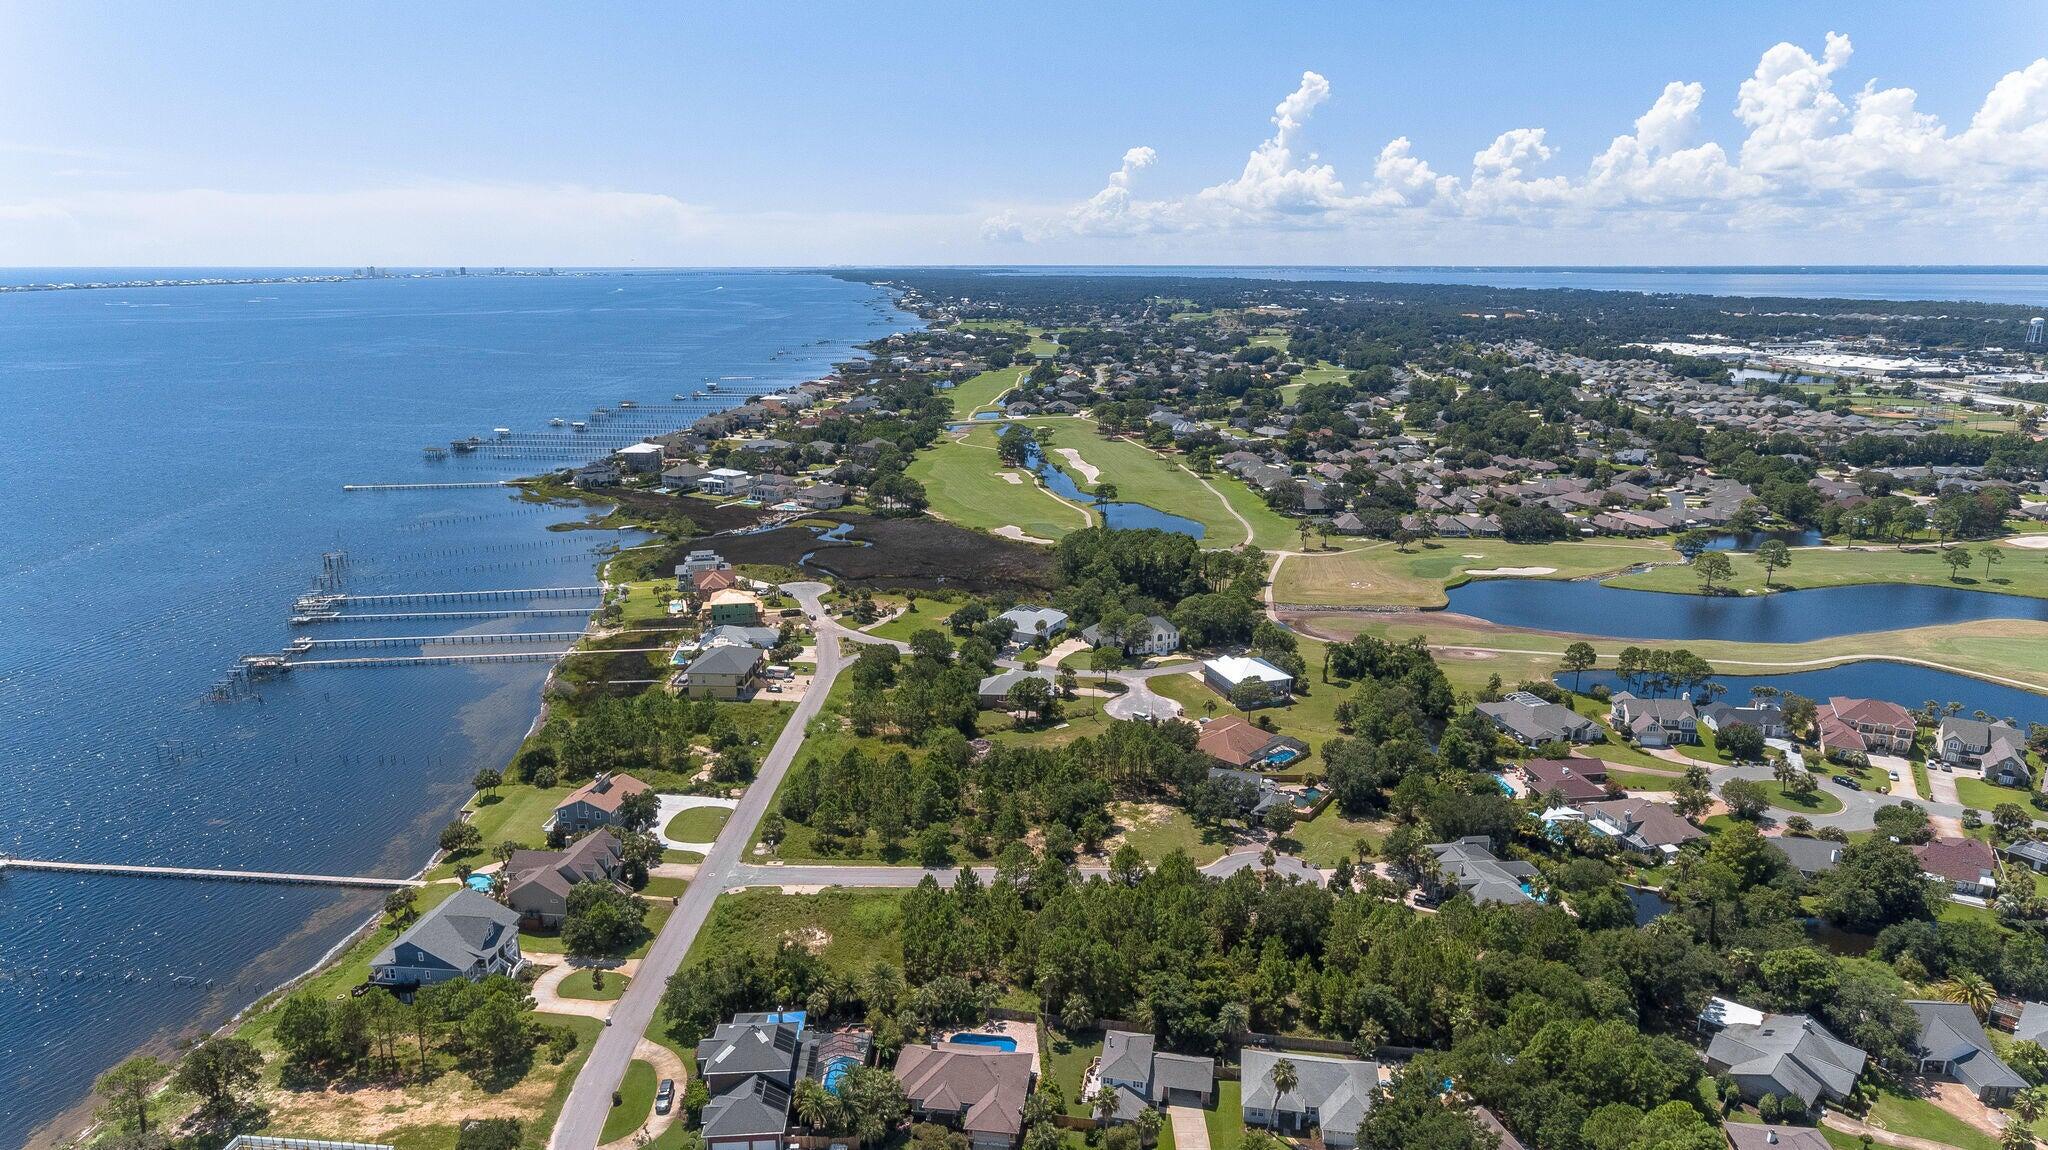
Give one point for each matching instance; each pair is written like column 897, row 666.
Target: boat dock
column 388, row 617
column 126, row 870
column 329, row 602
column 309, row 644
column 366, row 661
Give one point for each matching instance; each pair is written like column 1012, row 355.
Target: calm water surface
column 176, row 457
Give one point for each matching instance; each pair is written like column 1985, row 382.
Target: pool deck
column 1024, row 1034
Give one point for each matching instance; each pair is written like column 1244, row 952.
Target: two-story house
column 594, row 804
column 469, row 935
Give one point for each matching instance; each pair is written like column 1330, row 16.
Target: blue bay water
column 175, row 463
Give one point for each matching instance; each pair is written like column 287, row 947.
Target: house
column 1254, row 793
column 1786, row 1055
column 1330, row 1093
column 682, row 476
column 1578, row 780
column 1746, row 1136
column 979, row 1089
column 1998, row 749
column 763, row 637
column 1865, row 726
column 714, row 581
column 594, row 804
column 994, row 691
column 1654, row 722
column 1967, row 865
column 1143, row 1078
column 2028, row 853
column 1235, row 742
column 723, row 481
column 1641, row 825
column 1808, row 856
column 2032, row 1024
column 1154, row 635
column 822, row 496
column 750, row 1066
column 723, row 672
column 1763, row 714
column 732, row 606
column 599, row 474
column 1264, row 684
column 470, row 936
column 1469, row 867
column 701, row 559
column 1030, row 624
column 537, row 882
column 639, row 458
column 1952, row 1045
column 1533, row 721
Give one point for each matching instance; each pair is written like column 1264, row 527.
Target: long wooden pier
column 391, row 616
column 129, row 870
column 423, row 486
column 364, row 661
column 337, row 601
column 457, row 639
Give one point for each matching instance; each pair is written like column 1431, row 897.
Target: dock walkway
column 130, row 870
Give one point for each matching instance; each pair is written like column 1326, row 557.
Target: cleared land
column 2021, row 571
column 850, row 929
column 960, row 477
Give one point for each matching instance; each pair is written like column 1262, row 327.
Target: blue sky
column 982, row 133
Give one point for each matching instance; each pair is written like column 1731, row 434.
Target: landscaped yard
column 514, row 814
column 581, row 985
column 1975, row 792
column 1226, row 1118
column 658, row 911
column 1817, row 803
column 1921, row 1118
column 697, row 825
column 1067, row 1067
column 1382, row 574
column 931, row 614
column 636, row 1102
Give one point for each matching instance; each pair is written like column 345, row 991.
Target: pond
column 1751, row 540
column 1900, row 683
column 1122, row 516
column 1648, row 903
column 1588, row 608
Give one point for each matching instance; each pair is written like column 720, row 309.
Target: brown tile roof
column 715, row 580
column 604, row 792
column 986, row 1086
column 1870, row 712
column 1232, row 740
column 1578, row 779
column 1956, row 859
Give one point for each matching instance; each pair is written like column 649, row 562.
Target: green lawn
column 1380, row 573
column 658, row 911
column 930, row 614
column 661, row 887
column 1817, row 803
column 963, row 479
column 1226, row 1118
column 1330, row 836
column 1629, row 780
column 981, row 391
column 697, row 825
column 2021, row 572
column 1975, row 792
column 636, row 1102
column 579, row 985
column 1312, row 718
column 514, row 814
column 854, row 928
column 1067, row 1067
column 1921, row 1118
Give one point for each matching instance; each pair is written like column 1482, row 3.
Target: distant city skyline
column 724, row 135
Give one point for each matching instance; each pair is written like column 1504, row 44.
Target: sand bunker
column 1009, row 477
column 1089, row 472
column 1499, row 571
column 1012, row 531
column 2029, row 542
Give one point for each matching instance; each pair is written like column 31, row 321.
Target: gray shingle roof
column 1340, row 1090
column 1950, row 1032
column 1127, row 1057
column 457, row 934
column 1792, row 1050
column 753, row 1108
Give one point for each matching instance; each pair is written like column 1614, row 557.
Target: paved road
column 1140, row 698
column 590, row 1100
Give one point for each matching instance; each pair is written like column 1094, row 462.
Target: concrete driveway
column 1139, row 697
column 673, row 805
column 1190, row 1129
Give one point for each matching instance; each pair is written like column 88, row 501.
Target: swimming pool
column 999, row 1041
column 480, row 882
column 836, row 1070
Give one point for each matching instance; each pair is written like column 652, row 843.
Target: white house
column 723, row 481
column 1029, row 624
column 640, row 458
column 1226, row 673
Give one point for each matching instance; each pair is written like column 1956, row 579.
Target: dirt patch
column 813, row 939
column 374, row 1113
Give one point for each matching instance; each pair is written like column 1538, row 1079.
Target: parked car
column 665, row 1096
column 1846, row 781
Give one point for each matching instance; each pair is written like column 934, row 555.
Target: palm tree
column 814, row 1105
column 1971, row 989
column 2016, row 1137
column 1285, row 1079
column 1104, row 1104
column 2028, row 1105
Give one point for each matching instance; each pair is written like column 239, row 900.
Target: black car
column 1846, row 781
column 665, row 1096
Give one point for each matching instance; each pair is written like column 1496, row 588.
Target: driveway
column 1904, row 787
column 666, row 1065
column 1139, row 697
column 673, row 805
column 1190, row 1129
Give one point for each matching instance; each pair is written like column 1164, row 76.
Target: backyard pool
column 998, row 1041
column 480, row 883
column 836, row 1070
